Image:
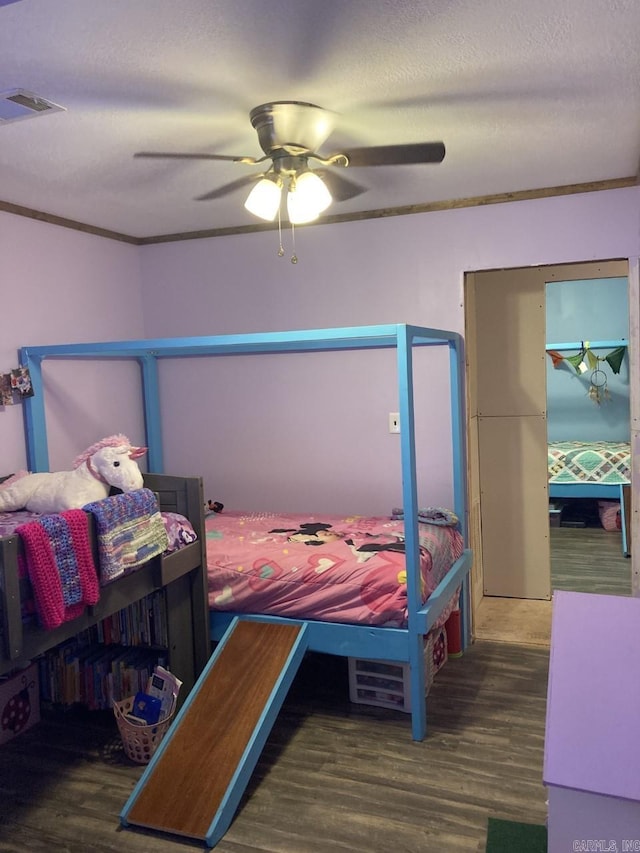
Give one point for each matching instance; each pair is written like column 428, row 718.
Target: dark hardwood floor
column 589, row 559
column 333, row 776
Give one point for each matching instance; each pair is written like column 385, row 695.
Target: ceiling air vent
column 18, row 104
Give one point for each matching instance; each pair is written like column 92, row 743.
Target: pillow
column 179, row 530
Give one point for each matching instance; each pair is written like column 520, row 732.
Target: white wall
column 235, row 423
column 61, row 286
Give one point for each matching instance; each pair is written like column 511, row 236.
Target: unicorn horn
column 136, row 452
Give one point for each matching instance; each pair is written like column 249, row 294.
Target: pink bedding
column 329, row 568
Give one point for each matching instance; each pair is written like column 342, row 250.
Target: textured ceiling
column 525, row 95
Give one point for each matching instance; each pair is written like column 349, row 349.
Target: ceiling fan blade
column 397, row 155
column 177, row 155
column 225, row 189
column 340, row 188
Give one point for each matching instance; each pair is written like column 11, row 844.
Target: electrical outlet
column 394, row 422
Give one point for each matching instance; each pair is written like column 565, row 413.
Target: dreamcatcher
column 598, row 391
column 586, row 360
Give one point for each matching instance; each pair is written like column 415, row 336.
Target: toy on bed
column 110, row 462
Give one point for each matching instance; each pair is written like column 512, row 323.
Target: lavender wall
column 61, row 286
column 292, row 431
column 308, row 432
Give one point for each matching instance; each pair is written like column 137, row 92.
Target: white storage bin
column 386, row 684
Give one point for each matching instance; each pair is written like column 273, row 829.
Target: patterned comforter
column 606, row 462
column 329, row 568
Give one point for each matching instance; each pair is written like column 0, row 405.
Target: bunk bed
column 180, row 572
column 589, row 469
column 403, row 640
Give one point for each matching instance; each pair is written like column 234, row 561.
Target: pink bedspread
column 329, row 568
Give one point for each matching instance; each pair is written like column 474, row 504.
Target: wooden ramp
column 194, row 782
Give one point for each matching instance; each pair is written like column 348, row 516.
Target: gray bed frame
column 181, row 574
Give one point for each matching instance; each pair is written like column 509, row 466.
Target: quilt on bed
column 606, row 462
column 328, row 568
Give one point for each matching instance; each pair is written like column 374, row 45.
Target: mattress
column 605, row 462
column 347, row 569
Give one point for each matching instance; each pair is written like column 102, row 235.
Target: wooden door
column 505, row 336
column 508, row 405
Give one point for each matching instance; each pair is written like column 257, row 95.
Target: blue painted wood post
column 34, row 415
column 152, row 417
column 459, row 452
column 412, row 542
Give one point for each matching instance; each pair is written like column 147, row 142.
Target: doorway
column 588, row 431
column 508, row 477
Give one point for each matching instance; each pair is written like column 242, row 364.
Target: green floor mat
column 508, row 836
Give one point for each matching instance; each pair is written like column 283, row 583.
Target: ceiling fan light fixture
column 307, row 198
column 264, row 199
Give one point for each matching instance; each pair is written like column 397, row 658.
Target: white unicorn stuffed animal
column 109, row 462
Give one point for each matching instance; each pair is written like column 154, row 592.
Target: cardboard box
column 19, row 702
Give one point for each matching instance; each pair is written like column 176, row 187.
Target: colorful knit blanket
column 130, row 532
column 60, row 566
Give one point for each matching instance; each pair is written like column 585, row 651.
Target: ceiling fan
column 290, row 134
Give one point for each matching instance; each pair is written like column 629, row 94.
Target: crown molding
column 407, row 210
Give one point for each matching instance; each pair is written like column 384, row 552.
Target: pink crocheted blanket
column 60, row 566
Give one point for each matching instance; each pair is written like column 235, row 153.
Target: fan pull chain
column 281, row 249
column 294, row 257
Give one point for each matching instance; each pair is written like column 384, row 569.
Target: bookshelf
column 109, row 661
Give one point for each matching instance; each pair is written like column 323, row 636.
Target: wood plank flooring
column 334, row 776
column 586, row 559
column 589, row 559
column 513, row 620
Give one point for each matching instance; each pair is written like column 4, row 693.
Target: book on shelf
column 110, row 660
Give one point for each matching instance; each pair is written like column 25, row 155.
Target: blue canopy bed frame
column 405, row 645
column 595, row 490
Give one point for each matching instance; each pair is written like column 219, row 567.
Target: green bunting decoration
column 614, row 359
column 585, row 360
column 576, row 360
